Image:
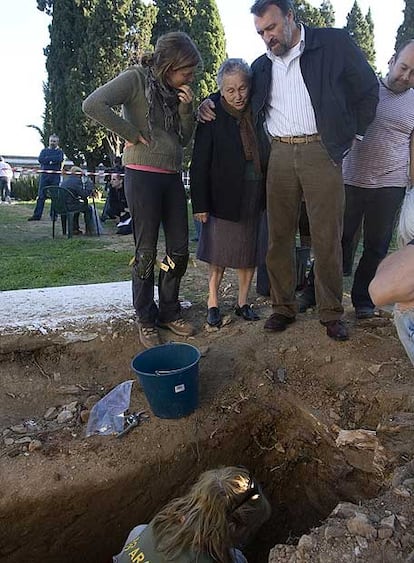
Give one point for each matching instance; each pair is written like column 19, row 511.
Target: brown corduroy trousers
column 296, row 171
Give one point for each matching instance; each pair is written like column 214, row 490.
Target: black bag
column 124, row 227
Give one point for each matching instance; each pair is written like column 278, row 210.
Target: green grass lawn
column 31, row 258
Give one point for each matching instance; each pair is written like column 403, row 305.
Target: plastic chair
column 65, row 204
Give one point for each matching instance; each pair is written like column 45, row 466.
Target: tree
column 361, row 30
column 308, row 14
column 201, row 20
column 91, row 41
column 328, row 13
column 406, row 29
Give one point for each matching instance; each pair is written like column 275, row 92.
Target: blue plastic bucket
column 169, row 377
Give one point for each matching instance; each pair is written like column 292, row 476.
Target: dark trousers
column 377, row 207
column 44, row 181
column 155, row 199
column 295, row 172
column 4, row 188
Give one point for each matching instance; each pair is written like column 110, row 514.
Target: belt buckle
column 291, row 140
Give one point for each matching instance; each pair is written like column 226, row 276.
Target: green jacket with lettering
column 142, row 550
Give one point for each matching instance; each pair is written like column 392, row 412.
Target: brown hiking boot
column 148, row 336
column 179, row 327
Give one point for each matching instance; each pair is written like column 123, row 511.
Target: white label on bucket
column 179, row 388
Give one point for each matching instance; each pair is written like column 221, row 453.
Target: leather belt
column 298, row 140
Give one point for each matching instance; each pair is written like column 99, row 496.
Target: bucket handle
column 164, row 371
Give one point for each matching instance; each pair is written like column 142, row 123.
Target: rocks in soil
column 281, row 374
column 69, row 390
column 19, row 428
column 84, row 416
column 71, row 406
column 23, row 440
column 64, row 416
column 334, row 532
column 362, row 449
column 344, row 510
column 51, row 413
column 359, row 525
column 35, row 445
column 396, row 433
column 204, row 350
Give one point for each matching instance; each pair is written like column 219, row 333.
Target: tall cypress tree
column 90, row 43
column 328, row 13
column 406, row 29
column 361, row 32
column 370, row 39
column 308, row 14
column 201, row 20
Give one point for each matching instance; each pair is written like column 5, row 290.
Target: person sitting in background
column 227, row 189
column 222, row 511
column 394, row 279
column 116, row 202
column 81, row 188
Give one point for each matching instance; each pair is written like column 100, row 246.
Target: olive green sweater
column 127, row 90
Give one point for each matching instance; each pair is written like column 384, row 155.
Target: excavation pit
column 73, row 498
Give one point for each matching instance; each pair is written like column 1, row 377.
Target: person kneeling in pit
column 221, row 513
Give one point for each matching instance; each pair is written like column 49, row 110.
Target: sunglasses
column 253, row 490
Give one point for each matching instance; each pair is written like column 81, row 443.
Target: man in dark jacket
column 314, row 95
column 51, row 162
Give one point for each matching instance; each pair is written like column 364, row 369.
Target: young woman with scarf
column 156, row 122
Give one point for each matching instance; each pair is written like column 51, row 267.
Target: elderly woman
column 227, row 189
column 220, row 513
column 156, row 122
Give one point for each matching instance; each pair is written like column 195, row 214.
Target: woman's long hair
column 205, row 520
column 173, row 51
column 406, row 221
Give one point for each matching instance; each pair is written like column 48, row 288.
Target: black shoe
column 336, row 329
column 364, row 312
column 306, row 299
column 246, row 312
column 33, row 218
column 214, row 316
column 277, row 322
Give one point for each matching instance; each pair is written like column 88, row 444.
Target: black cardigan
column 218, row 167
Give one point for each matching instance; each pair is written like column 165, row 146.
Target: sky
column 24, row 35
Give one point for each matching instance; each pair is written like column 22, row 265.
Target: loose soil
column 276, row 403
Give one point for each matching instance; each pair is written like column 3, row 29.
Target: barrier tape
column 65, row 172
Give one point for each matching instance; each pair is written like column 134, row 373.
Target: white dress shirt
column 289, row 108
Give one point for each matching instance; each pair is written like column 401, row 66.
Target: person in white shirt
column 6, row 175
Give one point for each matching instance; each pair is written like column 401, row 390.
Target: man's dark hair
column 402, row 47
column 260, row 6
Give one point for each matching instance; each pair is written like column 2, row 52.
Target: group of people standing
column 275, row 135
column 283, row 132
